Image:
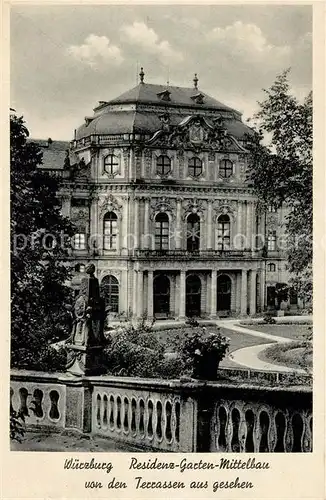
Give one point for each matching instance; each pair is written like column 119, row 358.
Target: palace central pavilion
column 155, row 182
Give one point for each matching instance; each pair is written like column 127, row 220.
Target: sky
column 66, row 58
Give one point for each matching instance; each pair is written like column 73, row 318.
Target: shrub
column 133, row 352
column 171, row 367
column 192, row 322
column 268, row 319
column 17, row 427
column 203, row 352
column 49, row 359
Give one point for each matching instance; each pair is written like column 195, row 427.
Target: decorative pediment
column 195, row 133
column 225, row 207
column 194, row 206
column 110, row 204
column 162, row 205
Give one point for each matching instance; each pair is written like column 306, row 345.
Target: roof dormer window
column 165, row 95
column 198, row 98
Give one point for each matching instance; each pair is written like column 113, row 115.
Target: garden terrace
column 157, row 415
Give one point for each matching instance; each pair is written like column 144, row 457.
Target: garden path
column 248, row 356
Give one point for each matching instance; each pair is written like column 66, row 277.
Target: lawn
column 294, row 332
column 295, row 354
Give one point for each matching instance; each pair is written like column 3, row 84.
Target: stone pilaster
column 182, row 297
column 239, row 229
column 66, row 204
column 209, row 226
column 140, row 293
column 136, row 223
column 146, row 235
column 238, row 293
column 248, row 225
column 150, row 308
column 262, row 290
column 178, row 237
column 213, row 294
column 134, row 294
column 252, row 305
column 244, row 284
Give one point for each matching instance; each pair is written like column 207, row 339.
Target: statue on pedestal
column 87, row 338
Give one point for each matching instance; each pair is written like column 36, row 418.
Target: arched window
column 271, row 267
column 195, row 167
column 193, row 296
column 163, row 165
column 223, row 293
column 226, row 168
column 111, row 164
column 110, row 292
column 110, row 231
column 193, row 232
column 223, row 232
column 161, row 294
column 162, row 232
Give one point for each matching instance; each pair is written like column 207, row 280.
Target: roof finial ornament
column 141, row 74
column 196, row 81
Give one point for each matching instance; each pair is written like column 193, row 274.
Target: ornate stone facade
column 176, row 224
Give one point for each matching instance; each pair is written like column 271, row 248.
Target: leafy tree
column 39, row 247
column 281, row 172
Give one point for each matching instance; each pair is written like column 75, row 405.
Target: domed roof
column 134, row 111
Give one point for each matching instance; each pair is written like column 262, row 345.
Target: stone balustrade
column 40, row 398
column 161, row 415
column 143, row 418
column 255, row 420
column 187, row 255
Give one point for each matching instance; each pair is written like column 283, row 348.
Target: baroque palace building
column 155, row 182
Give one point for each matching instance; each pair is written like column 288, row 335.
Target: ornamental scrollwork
column 194, row 206
column 162, row 205
column 225, row 207
column 110, row 204
column 196, row 133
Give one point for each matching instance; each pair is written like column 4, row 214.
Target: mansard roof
column 178, row 96
column 139, row 110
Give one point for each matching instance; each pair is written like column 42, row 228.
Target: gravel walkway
column 248, row 356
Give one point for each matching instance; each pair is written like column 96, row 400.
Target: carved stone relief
column 110, row 204
column 163, row 205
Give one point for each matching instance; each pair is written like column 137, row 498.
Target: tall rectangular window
column 223, row 232
column 271, row 241
column 110, row 231
column 79, row 241
column 162, row 232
